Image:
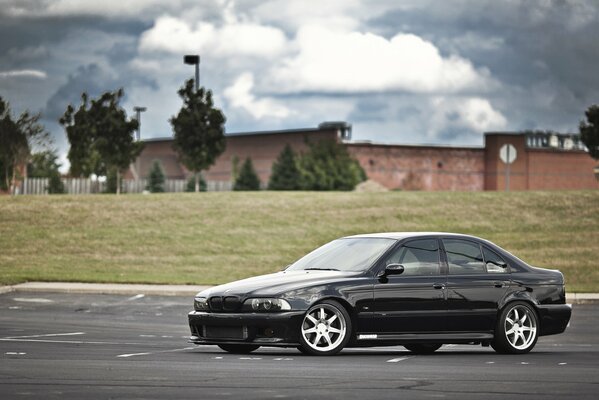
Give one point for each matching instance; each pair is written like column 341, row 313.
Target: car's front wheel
column 326, row 329
column 517, row 329
column 238, row 348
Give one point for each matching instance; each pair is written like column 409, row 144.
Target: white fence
column 89, row 186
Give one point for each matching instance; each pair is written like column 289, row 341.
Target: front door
column 413, row 301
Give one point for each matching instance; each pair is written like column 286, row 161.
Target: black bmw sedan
column 419, row 290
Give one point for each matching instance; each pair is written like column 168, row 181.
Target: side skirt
column 371, row 339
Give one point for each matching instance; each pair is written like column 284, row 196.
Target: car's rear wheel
column 238, row 348
column 422, row 348
column 517, row 329
column 326, row 329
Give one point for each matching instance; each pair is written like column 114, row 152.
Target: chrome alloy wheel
column 520, row 327
column 324, row 328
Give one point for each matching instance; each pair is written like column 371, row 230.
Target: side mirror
column 391, row 269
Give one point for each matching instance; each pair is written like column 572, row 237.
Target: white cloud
column 25, row 73
column 239, row 95
column 333, row 61
column 474, row 114
column 233, row 38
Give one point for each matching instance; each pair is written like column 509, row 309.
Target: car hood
column 277, row 283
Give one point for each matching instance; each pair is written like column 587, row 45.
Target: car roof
column 405, row 235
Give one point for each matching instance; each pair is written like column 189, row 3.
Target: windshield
column 350, row 254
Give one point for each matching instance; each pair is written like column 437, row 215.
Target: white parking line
column 396, row 360
column 137, row 296
column 14, row 353
column 153, row 352
column 45, row 335
column 32, row 300
column 250, row 358
column 132, row 355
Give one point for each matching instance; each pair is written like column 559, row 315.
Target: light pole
column 194, row 59
column 138, row 111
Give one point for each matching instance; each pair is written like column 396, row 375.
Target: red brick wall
column 422, row 167
column 555, row 169
column 495, row 169
column 403, row 167
column 537, row 168
column 263, row 149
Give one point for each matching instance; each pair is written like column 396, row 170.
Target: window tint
column 464, row 257
column 419, row 257
column 494, row 263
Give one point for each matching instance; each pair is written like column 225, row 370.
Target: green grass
column 211, row 238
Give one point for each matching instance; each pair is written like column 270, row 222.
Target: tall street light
column 138, row 111
column 194, row 59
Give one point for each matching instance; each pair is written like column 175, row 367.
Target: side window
column 494, row 263
column 464, row 257
column 419, row 257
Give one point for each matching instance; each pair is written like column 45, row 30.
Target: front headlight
column 266, row 305
column 200, row 304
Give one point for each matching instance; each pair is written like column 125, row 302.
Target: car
column 419, row 290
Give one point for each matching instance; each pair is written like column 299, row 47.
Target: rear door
column 415, row 300
column 477, row 280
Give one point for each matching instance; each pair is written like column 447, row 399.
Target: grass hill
column 210, row 238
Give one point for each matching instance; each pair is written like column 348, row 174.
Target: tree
column 156, row 178
column 45, row 165
column 199, row 130
column 328, row 166
column 247, row 178
column 191, row 184
column 17, row 138
column 285, row 172
column 101, row 136
column 589, row 131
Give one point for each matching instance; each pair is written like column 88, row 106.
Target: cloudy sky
column 413, row 71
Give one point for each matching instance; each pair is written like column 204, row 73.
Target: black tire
column 238, row 348
column 517, row 329
column 422, row 348
column 325, row 334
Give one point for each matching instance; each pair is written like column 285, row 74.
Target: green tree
column 156, row 178
column 101, row 136
column 589, row 131
column 45, row 165
column 285, row 172
column 328, row 166
column 17, row 138
column 199, row 130
column 247, row 178
column 191, row 184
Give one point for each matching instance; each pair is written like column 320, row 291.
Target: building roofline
column 255, row 133
column 434, row 146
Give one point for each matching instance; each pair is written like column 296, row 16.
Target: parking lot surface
column 107, row 346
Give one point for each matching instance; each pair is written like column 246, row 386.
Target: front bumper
column 554, row 318
column 265, row 329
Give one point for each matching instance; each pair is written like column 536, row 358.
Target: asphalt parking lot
column 107, row 346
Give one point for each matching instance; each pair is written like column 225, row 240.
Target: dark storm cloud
column 541, row 59
column 534, row 48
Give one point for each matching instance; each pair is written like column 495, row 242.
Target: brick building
column 543, row 161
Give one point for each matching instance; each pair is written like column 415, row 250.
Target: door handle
column 438, row 286
column 498, row 284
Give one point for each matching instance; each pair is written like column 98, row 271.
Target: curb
column 104, row 288
column 174, row 290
